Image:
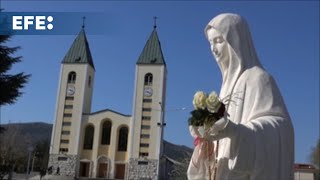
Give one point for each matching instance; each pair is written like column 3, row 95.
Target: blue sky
column 285, row 34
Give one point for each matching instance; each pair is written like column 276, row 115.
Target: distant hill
column 35, row 130
column 41, row 131
column 177, row 152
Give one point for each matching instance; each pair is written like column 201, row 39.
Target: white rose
column 199, row 100
column 213, row 103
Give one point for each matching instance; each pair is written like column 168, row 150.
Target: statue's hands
column 194, row 132
column 220, row 124
column 223, row 128
column 216, row 131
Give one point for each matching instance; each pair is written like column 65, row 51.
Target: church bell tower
column 73, row 100
column 145, row 150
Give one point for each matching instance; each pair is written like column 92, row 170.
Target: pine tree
column 10, row 84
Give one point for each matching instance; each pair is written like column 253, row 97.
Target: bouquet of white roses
column 208, row 109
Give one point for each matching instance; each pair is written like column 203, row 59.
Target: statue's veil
column 241, row 50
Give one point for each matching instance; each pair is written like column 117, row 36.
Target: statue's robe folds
column 258, row 143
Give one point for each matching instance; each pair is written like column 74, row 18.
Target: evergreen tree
column 10, row 84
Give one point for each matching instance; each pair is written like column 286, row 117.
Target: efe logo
column 39, row 22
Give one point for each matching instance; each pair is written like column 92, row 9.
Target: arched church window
column 123, row 139
column 88, row 137
column 148, row 79
column 106, row 133
column 72, row 77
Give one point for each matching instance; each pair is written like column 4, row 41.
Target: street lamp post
column 33, row 161
column 161, row 124
column 30, row 149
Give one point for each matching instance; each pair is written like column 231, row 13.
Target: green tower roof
column 79, row 51
column 152, row 53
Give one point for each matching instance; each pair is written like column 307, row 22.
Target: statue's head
column 234, row 30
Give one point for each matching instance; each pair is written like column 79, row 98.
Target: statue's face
column 218, row 45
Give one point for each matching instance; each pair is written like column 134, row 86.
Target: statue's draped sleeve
column 259, row 137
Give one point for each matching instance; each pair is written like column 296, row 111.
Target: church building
column 108, row 144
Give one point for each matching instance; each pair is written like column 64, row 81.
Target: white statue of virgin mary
column 255, row 141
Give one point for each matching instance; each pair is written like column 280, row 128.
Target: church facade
column 107, row 144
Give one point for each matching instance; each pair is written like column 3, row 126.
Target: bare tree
column 315, row 158
column 315, row 155
column 13, row 150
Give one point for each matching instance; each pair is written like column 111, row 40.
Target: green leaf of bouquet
column 190, row 121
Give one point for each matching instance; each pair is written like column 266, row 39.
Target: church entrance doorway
column 120, row 171
column 103, row 167
column 103, row 170
column 84, row 169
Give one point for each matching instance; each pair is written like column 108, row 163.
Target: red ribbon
column 206, row 146
column 197, row 141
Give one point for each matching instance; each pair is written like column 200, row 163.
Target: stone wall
column 67, row 164
column 142, row 168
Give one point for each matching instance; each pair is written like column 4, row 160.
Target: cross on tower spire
column 83, row 20
column 155, row 22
